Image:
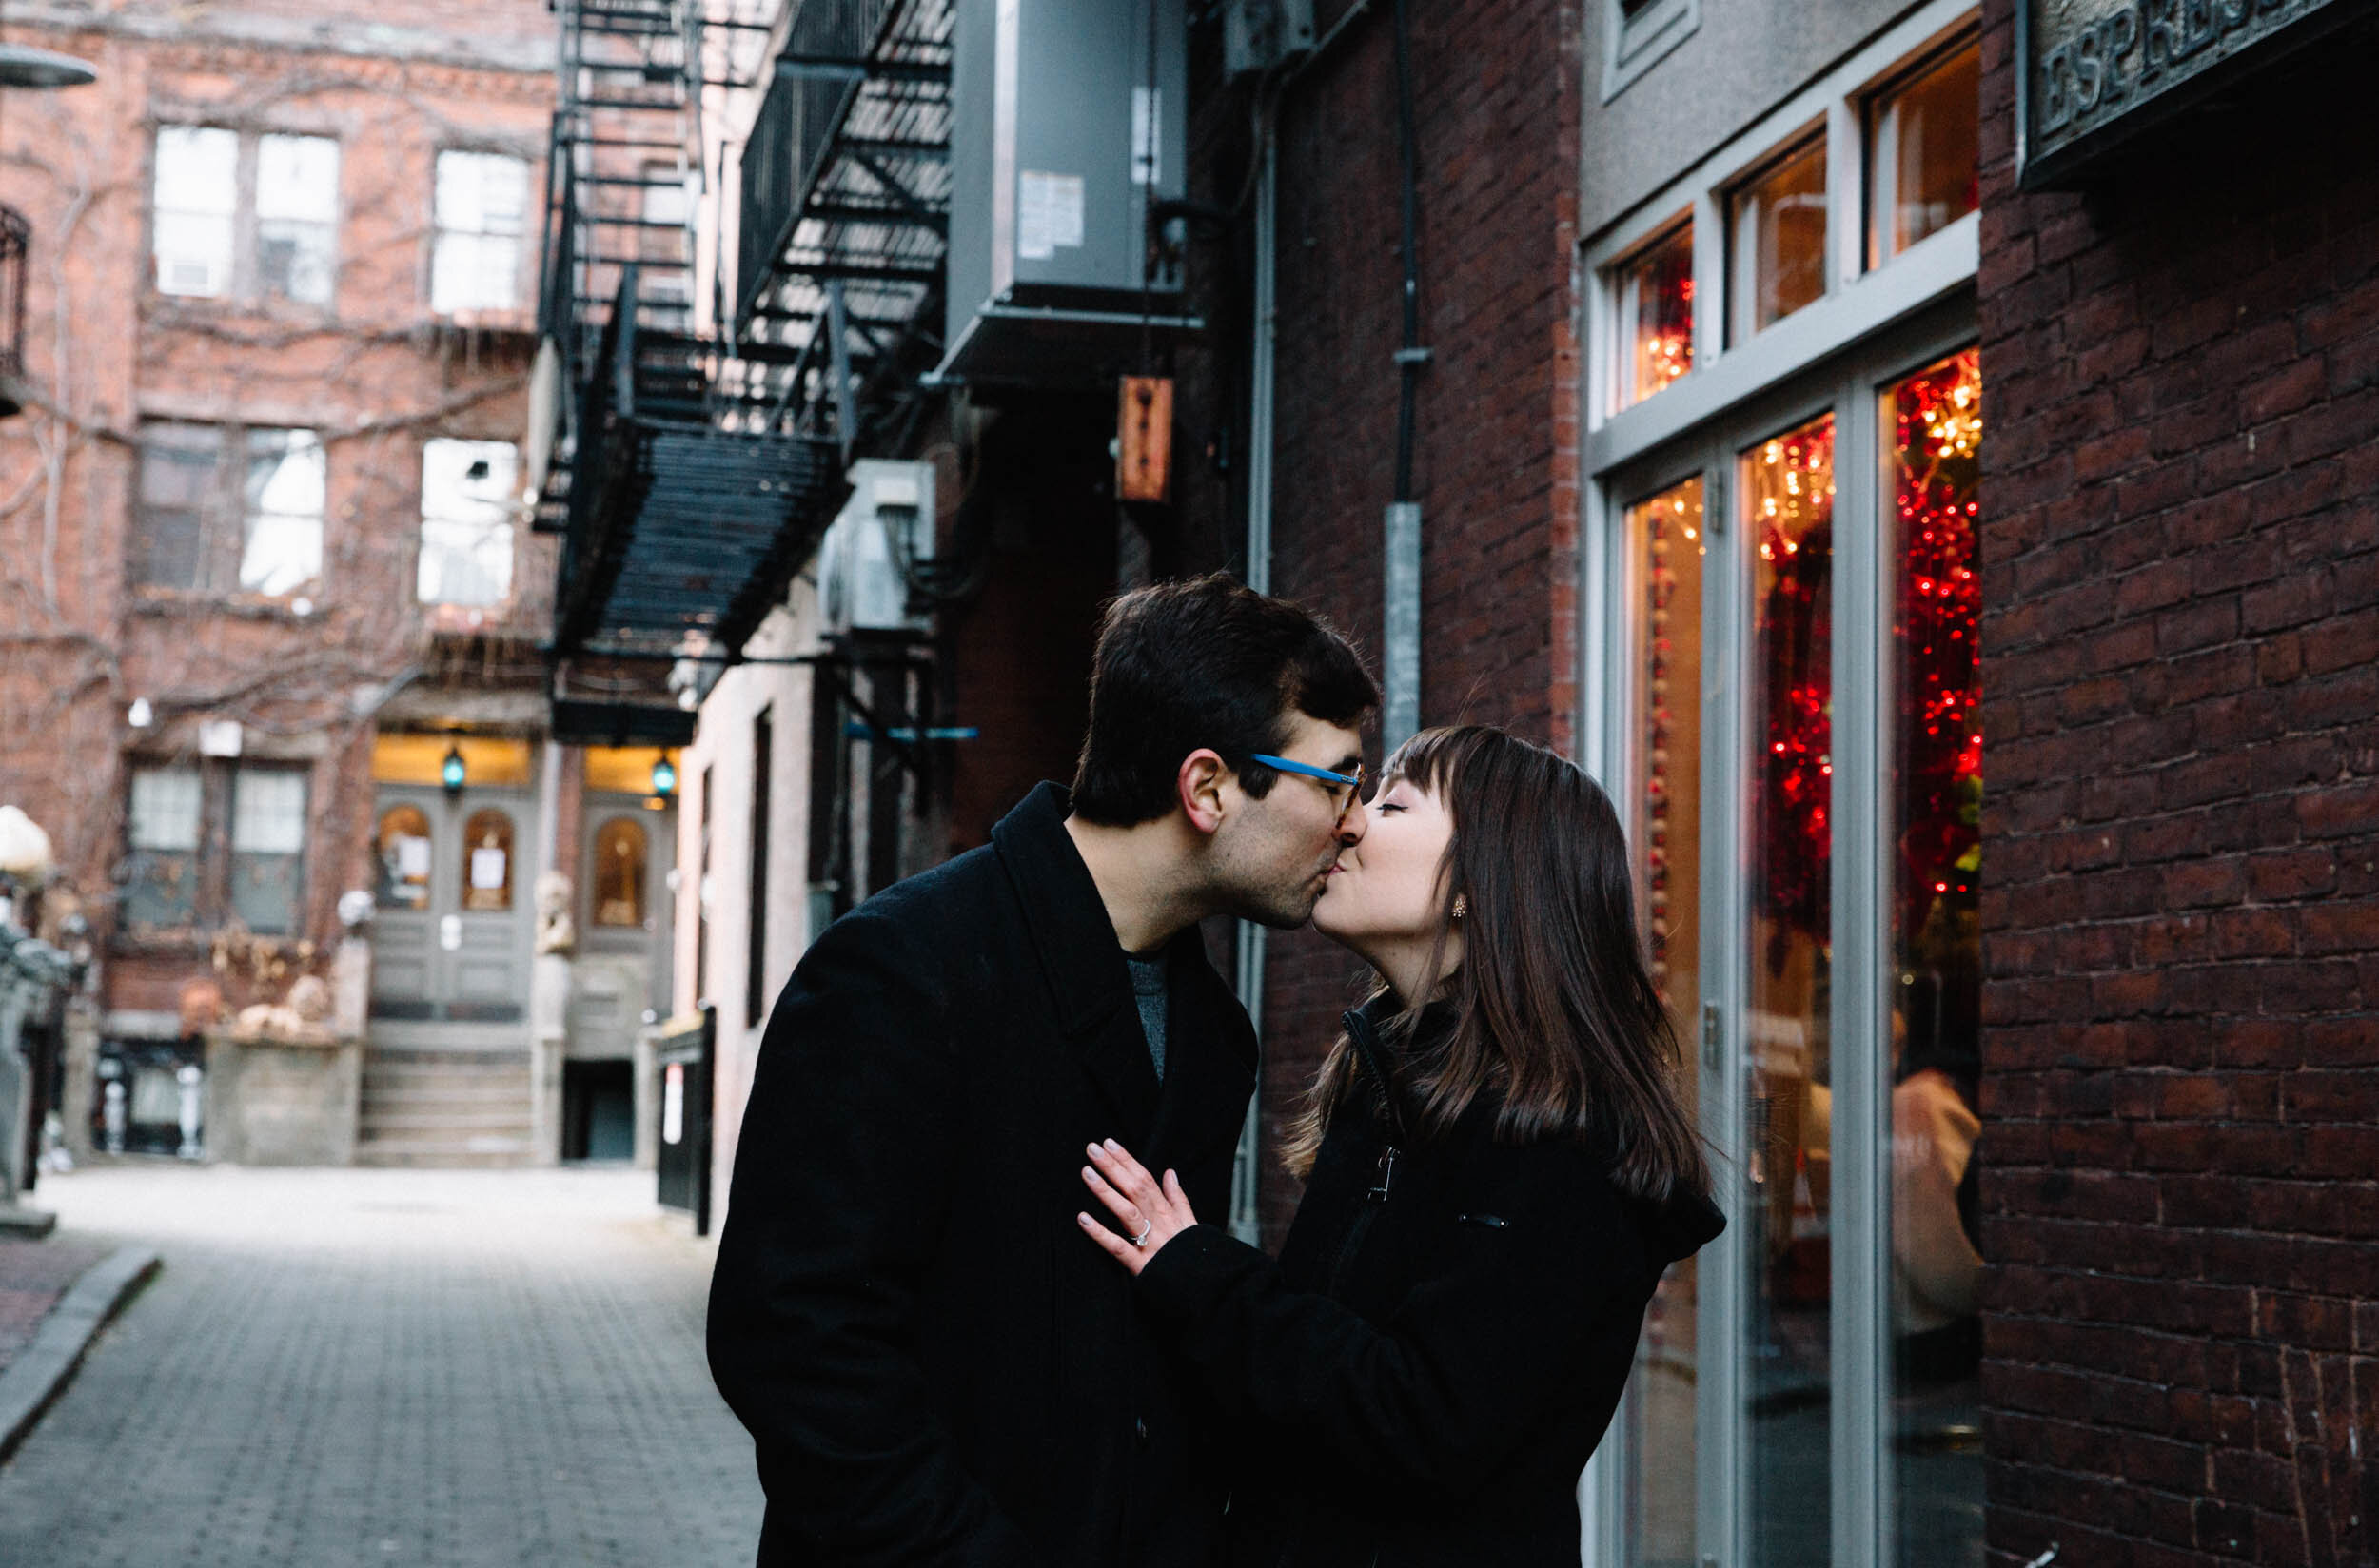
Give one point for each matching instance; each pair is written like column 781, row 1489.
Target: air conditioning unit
column 1069, row 131
column 872, row 549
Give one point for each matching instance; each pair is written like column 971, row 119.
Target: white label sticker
column 1148, row 135
column 672, row 1103
column 412, row 857
column 488, row 869
column 1048, row 213
column 450, row 932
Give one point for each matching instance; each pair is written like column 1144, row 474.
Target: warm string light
column 1939, row 436
column 1665, row 313
column 1681, row 512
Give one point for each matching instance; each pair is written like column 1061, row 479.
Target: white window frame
column 1871, row 325
column 242, row 280
column 448, row 235
column 1857, row 300
column 465, row 515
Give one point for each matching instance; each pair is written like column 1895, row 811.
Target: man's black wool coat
column 1419, row 1379
column 936, row 1366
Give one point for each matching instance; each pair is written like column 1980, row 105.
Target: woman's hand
column 1151, row 1214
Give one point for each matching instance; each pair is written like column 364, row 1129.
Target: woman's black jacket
column 1424, row 1372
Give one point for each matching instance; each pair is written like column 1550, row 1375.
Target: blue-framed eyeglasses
column 1354, row 784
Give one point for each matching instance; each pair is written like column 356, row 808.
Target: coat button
column 1140, row 1428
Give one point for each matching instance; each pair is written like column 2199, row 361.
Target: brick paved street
column 446, row 1369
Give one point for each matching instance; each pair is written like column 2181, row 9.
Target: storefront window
column 620, row 873
column 487, row 861
column 1935, row 420
column 1775, row 229
column 405, row 859
column 1666, row 543
column 1655, row 294
column 1787, row 487
column 1927, row 144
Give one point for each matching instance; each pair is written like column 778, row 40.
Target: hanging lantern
column 450, row 772
column 664, row 776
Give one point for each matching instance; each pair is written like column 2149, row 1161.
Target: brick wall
column 1496, row 111
column 373, row 374
column 2181, row 636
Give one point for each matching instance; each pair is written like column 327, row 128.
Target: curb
column 43, row 1369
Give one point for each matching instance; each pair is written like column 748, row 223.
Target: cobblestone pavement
column 439, row 1369
column 34, row 1274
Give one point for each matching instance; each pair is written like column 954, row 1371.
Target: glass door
column 1795, row 610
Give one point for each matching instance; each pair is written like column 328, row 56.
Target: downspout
column 1243, row 1221
column 1400, row 573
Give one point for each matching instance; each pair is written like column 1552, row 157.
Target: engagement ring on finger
column 1142, row 1239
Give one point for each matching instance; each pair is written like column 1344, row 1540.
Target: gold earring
column 1462, row 906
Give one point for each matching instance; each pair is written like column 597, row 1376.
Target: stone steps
column 453, row 1109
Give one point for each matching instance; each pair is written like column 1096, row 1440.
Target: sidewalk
column 33, row 1275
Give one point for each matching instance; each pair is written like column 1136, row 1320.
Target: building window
column 1655, row 294
column 215, row 842
column 162, row 879
column 1927, row 142
column 405, row 857
column 482, row 211
column 1775, row 231
column 1637, row 33
column 487, row 860
column 253, row 218
column 466, row 522
column 619, row 874
column 208, row 524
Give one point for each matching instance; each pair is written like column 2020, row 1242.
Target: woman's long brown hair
column 1555, row 1010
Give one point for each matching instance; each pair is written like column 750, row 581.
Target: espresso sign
column 2098, row 72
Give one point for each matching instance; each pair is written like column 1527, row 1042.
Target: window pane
column 193, row 200
column 466, row 522
column 487, row 861
column 620, row 873
column 1925, row 161
column 1787, row 485
column 282, row 551
column 1777, row 229
column 162, row 833
column 405, row 859
column 1935, row 420
column 1656, row 315
column 267, row 848
column 1666, row 537
column 482, row 211
column 298, row 177
column 179, row 473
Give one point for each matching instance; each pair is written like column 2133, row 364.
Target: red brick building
column 268, row 563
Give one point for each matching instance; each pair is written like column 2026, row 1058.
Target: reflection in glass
column 1787, row 487
column 1655, row 314
column 620, row 873
column 1926, row 158
column 1666, row 538
column 280, row 550
column 487, row 861
column 405, row 859
column 1776, row 227
column 1935, row 420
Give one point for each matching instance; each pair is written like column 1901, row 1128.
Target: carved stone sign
column 2094, row 72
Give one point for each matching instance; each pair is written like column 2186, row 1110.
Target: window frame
column 1856, row 298
column 439, row 229
column 510, row 526
column 224, row 518
column 244, row 285
column 213, row 902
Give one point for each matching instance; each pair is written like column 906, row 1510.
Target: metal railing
column 819, row 73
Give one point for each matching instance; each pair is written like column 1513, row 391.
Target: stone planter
column 275, row 1100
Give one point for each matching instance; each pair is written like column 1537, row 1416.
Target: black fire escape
column 685, row 499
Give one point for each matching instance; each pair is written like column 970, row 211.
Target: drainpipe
column 1400, row 573
column 1243, row 1222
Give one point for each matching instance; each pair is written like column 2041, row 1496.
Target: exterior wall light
column 451, row 771
column 664, row 776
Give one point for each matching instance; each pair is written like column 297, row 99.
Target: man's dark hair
column 1204, row 662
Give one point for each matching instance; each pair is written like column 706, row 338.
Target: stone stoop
column 424, row 1106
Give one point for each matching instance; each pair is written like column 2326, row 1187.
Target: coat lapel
column 1089, row 991
column 1209, row 1061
